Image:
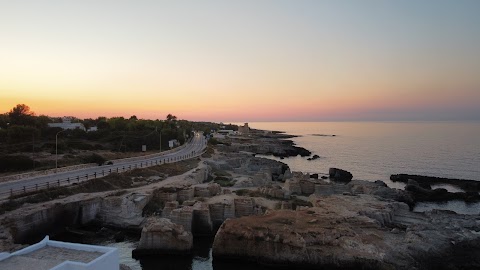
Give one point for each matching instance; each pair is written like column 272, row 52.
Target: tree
column 4, row 120
column 171, row 118
column 21, row 115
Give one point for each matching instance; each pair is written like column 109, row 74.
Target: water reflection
column 200, row 259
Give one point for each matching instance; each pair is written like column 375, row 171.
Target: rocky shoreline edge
column 260, row 211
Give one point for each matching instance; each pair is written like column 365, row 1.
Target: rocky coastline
column 427, row 181
column 258, row 210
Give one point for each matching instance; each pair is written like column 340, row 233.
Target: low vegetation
column 113, row 181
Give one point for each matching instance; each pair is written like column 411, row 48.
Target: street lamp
column 56, row 149
column 159, row 132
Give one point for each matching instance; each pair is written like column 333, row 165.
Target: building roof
column 48, row 254
column 48, row 257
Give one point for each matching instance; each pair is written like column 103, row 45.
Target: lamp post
column 56, row 149
column 160, row 133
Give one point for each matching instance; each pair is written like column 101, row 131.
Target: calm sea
column 375, row 150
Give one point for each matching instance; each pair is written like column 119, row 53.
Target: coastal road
column 191, row 149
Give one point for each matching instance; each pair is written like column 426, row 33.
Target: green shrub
column 224, row 182
column 16, row 163
column 94, row 158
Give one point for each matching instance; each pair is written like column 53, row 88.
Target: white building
column 94, row 128
column 67, row 124
column 55, row 255
column 173, row 143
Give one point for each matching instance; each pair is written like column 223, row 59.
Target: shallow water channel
column 200, row 259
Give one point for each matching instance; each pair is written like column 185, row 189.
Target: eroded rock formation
column 352, row 232
column 160, row 235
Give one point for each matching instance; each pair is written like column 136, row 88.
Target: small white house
column 173, row 143
column 56, row 255
column 94, row 128
column 67, row 124
column 226, row 132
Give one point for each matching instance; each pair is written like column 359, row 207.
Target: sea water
column 375, row 150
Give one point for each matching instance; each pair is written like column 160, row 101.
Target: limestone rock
column 293, row 186
column 124, row 211
column 353, row 232
column 275, row 192
column 160, row 235
column 244, row 207
column 183, row 216
column 202, row 223
column 185, row 195
column 307, row 187
column 169, row 207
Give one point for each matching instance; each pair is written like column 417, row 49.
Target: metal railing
column 85, row 177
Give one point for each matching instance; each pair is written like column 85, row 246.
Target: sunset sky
column 243, row 60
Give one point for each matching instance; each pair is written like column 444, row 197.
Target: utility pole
column 160, row 133
column 33, row 150
column 56, row 149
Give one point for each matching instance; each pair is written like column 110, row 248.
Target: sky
column 239, row 61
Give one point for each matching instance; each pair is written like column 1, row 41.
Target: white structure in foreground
column 55, row 255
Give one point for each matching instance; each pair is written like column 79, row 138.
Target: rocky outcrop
column 244, row 207
column 340, row 175
column 381, row 190
column 247, row 165
column 169, row 207
column 420, row 194
column 183, row 216
column 353, row 232
column 167, row 195
column 185, row 195
column 207, row 190
column 124, row 211
column 202, row 222
column 307, row 187
column 161, row 236
column 275, row 192
column 293, row 186
column 467, row 185
column 268, row 146
column 300, row 184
